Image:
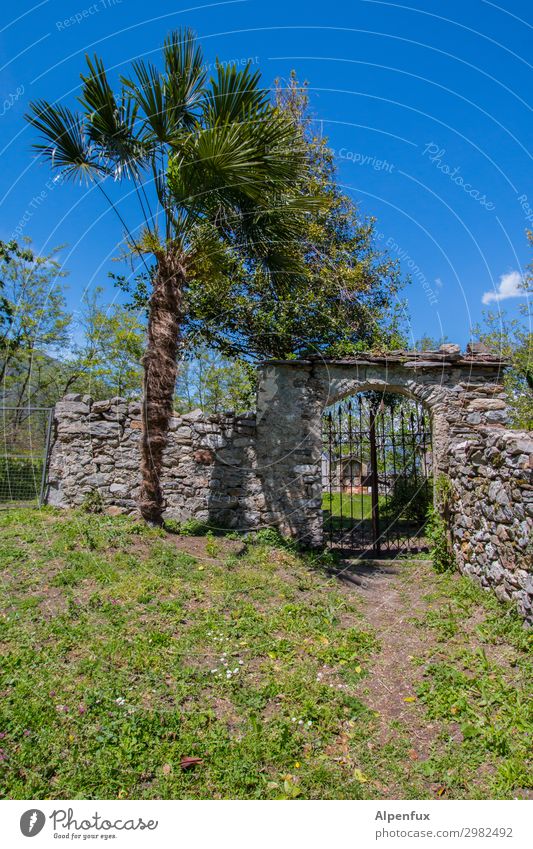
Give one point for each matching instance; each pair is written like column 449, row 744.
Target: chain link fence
column 24, row 445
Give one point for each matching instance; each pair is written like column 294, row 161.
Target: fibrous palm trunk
column 159, row 380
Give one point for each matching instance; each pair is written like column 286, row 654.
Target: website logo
column 32, row 822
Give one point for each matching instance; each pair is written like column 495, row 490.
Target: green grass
column 358, row 506
column 116, row 643
column 482, row 688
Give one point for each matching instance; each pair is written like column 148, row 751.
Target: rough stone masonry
column 263, row 469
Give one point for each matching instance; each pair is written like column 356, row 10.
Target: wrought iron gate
column 25, row 442
column 376, row 474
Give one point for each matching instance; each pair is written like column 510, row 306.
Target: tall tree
column 512, row 339
column 216, row 169
column 37, row 323
column 108, row 359
column 349, row 296
column 214, row 383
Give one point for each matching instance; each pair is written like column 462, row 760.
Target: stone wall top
column 475, row 356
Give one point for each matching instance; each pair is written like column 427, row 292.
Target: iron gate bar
column 387, row 452
column 374, row 492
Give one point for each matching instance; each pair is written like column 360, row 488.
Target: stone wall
column 492, row 512
column 209, row 467
column 264, row 469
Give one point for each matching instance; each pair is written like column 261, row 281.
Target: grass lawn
column 126, row 650
column 360, row 508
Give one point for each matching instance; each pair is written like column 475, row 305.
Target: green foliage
column 512, row 340
column 40, row 356
column 108, row 360
column 437, row 526
column 215, row 157
column 443, row 491
column 214, row 384
column 271, row 537
column 345, row 297
column 436, row 532
column 35, row 327
column 192, row 528
column 93, row 502
column 410, row 499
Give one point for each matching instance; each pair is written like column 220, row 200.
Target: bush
column 410, row 499
column 92, row 502
column 442, row 557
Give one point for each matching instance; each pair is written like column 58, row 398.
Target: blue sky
column 425, row 104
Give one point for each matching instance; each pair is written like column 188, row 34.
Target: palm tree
column 216, row 169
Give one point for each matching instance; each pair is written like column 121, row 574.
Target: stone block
column 485, row 404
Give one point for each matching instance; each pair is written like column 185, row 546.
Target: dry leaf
column 413, row 754
column 185, row 763
column 360, row 776
column 167, row 769
column 410, row 699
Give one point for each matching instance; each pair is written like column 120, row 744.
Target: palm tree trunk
column 159, row 380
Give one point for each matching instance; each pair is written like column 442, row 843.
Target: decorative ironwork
column 376, row 474
column 25, row 442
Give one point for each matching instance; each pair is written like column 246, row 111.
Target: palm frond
column 253, row 158
column 111, row 123
column 65, row 142
column 184, row 66
column 235, row 95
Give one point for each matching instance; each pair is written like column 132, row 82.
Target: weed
column 93, row 502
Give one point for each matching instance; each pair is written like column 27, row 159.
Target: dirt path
column 391, row 596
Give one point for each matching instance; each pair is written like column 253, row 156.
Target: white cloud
column 510, row 287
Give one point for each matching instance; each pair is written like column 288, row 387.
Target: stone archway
column 461, row 392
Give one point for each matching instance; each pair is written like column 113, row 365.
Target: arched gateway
column 459, row 391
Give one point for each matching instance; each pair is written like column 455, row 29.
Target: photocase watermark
column 229, row 63
column 10, row 100
column 33, row 821
column 436, row 155
column 83, row 15
column 365, row 159
column 414, row 269
column 527, row 209
column 36, row 201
